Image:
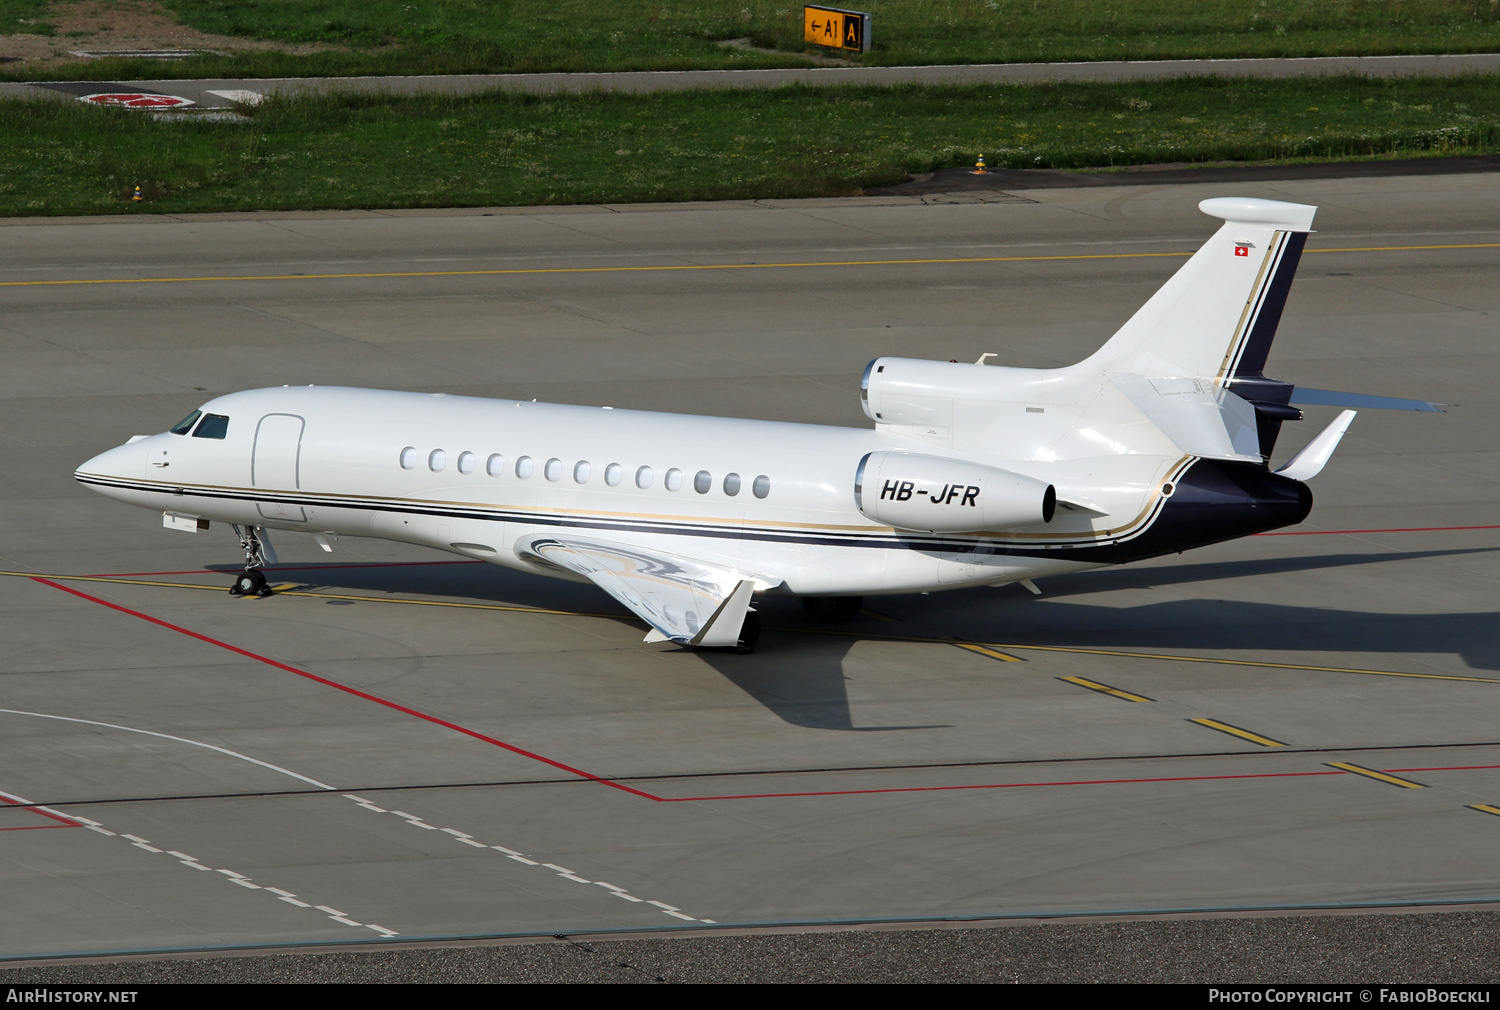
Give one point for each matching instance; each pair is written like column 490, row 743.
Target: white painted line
column 294, row 901
column 231, row 873
column 143, row 845
column 135, row 838
column 95, row 827
column 561, row 871
column 330, row 911
column 244, row 883
column 381, row 929
column 179, row 739
column 345, row 920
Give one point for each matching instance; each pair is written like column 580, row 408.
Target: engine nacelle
column 931, row 494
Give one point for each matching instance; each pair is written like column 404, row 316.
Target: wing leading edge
column 683, row 600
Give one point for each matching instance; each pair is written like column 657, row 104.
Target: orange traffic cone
column 137, row 198
column 979, row 168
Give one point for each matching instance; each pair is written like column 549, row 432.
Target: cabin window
column 731, row 484
column 495, row 467
column 673, row 479
column 643, row 477
column 186, row 424
column 703, row 482
column 212, row 426
column 523, row 467
column 436, row 460
column 612, row 474
column 466, row 462
column 762, row 486
column 553, row 469
column 409, row 458
column 581, row 471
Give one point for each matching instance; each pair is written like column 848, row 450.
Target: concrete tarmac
column 403, row 745
column 212, row 94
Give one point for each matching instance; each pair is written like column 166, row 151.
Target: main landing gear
column 252, row 581
column 832, row 609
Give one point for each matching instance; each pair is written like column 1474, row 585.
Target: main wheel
column 250, row 583
column 749, row 634
column 832, row 609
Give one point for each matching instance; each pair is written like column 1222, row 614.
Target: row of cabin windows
column 614, row 473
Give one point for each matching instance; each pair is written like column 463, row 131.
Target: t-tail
column 1193, row 357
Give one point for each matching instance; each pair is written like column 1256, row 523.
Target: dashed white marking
column 233, row 876
column 520, row 857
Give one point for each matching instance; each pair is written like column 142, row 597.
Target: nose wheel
column 252, row 581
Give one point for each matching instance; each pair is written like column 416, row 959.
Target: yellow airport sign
column 836, row 29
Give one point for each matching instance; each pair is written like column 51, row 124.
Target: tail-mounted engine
column 930, row 494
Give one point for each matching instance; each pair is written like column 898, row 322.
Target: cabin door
column 276, row 464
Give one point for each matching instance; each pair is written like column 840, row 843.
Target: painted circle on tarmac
column 137, row 100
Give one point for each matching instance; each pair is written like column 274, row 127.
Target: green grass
column 474, row 36
column 24, row 17
column 508, row 149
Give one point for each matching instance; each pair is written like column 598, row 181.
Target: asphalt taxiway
column 402, row 745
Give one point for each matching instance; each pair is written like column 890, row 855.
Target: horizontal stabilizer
column 1202, row 418
column 1364, row 401
column 1315, row 455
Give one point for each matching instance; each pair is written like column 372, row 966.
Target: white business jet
column 973, row 475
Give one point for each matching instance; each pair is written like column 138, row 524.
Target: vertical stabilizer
column 1215, row 319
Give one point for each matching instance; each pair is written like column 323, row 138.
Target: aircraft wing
column 683, row 600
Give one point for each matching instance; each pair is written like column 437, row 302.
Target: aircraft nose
column 123, row 462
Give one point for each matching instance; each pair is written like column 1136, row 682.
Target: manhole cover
column 137, row 100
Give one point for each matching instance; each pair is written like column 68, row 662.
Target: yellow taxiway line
column 1371, row 773
column 516, row 271
column 1113, row 692
column 1243, row 734
column 1485, row 808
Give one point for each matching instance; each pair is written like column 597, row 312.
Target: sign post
column 834, row 28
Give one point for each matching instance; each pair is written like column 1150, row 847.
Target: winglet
column 723, row 628
column 1314, row 455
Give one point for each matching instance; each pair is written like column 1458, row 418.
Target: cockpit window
column 186, row 424
column 212, row 426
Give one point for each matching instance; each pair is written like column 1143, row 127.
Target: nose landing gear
column 252, row 581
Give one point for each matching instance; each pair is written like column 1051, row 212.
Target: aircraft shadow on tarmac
column 804, row 682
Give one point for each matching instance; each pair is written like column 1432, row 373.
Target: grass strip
column 519, row 36
column 347, row 151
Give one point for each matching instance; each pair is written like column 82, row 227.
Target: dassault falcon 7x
column 973, row 475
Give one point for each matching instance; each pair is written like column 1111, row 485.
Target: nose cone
column 116, row 472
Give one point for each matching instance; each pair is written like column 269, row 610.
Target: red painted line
column 1001, row 785
column 286, row 568
column 16, row 801
column 349, row 690
column 1399, row 529
column 40, row 827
